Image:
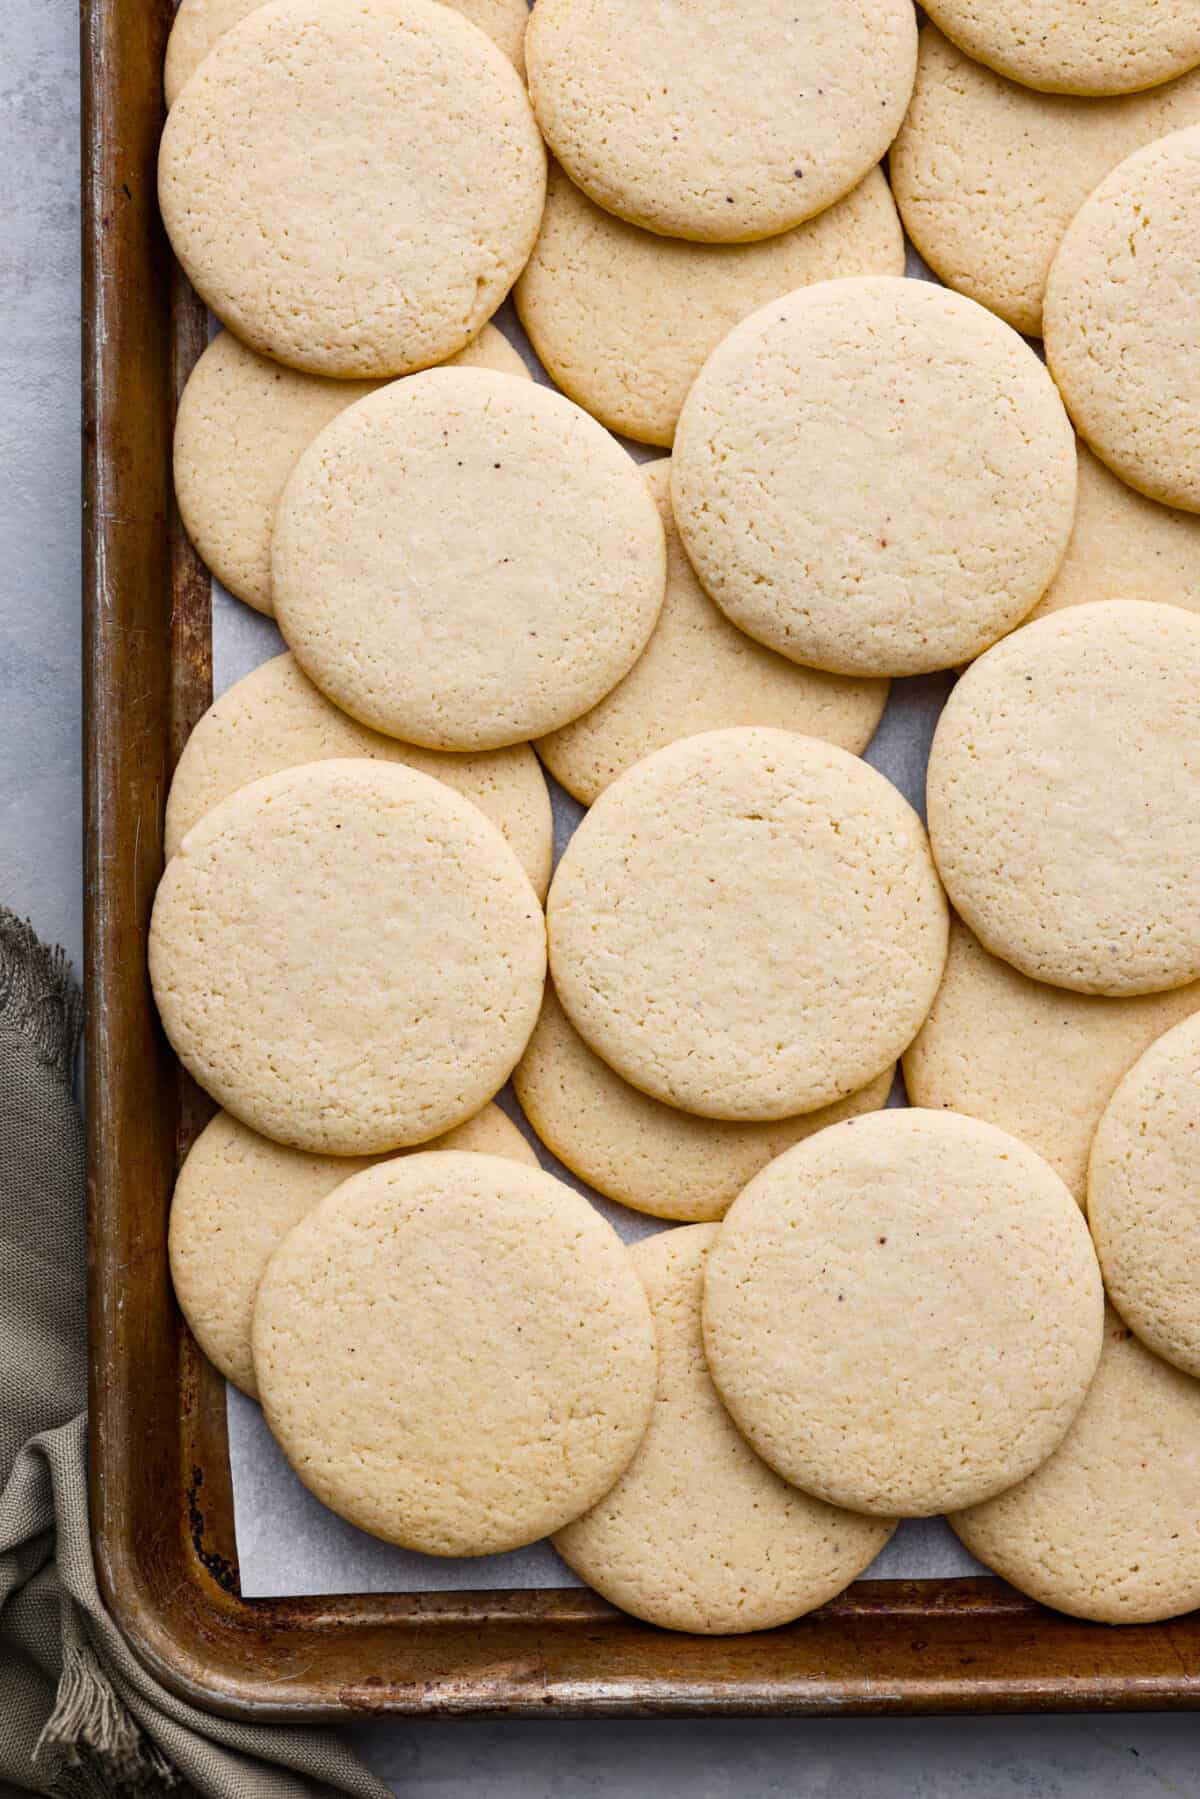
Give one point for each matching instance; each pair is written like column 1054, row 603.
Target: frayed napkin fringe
column 90, row 1741
column 38, row 999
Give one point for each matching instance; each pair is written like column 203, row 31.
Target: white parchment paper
column 289, row 1545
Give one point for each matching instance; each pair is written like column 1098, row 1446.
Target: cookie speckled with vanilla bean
column 904, row 1313
column 693, row 124
column 242, row 423
column 466, row 561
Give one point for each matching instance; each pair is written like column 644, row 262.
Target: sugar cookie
column 903, row 1314
column 1122, row 320
column 275, row 718
column 466, row 561
column 347, row 956
column 242, row 422
column 700, row 673
column 199, row 23
column 748, row 925
column 634, row 1149
column 988, row 174
column 326, row 210
column 1055, row 763
column 1117, row 47
column 623, row 319
column 423, row 1415
column 1038, row 1061
column 699, row 1534
column 1124, row 547
column 1107, row 1528
column 195, row 29
column 1143, row 1187
column 898, row 533
column 668, row 118
column 237, row 1197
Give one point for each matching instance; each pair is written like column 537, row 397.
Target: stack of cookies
column 983, row 1306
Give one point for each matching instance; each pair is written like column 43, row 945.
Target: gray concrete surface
column 1081, row 1758
column 39, row 466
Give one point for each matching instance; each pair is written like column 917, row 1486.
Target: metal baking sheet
column 289, row 1544
column 160, row 1492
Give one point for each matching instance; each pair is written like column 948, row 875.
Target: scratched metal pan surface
column 160, row 1489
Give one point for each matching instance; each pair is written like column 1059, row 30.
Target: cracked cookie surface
column 352, row 189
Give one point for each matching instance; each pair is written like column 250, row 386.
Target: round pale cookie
column 634, row 1149
column 1124, row 547
column 467, row 561
column 1122, row 320
column 1108, row 1527
column 347, row 956
column 748, row 925
column 700, row 673
column 199, row 23
column 669, row 119
column 237, row 1197
column 1143, row 1189
column 242, row 422
column 326, row 209
column 699, row 1534
column 623, row 319
column 1061, row 47
column 988, row 174
column 898, row 533
column 455, row 1353
column 1063, row 803
column 1038, row 1061
column 196, row 27
column 275, row 718
column 903, row 1314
